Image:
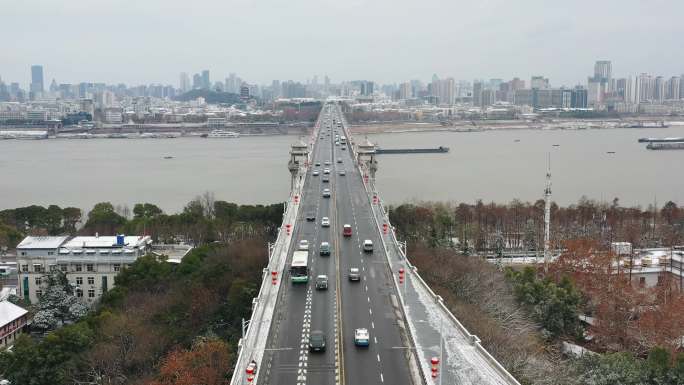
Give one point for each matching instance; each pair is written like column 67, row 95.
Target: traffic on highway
column 337, row 320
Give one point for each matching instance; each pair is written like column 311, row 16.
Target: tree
column 207, row 363
column 146, row 211
column 58, row 304
column 104, row 219
column 70, row 217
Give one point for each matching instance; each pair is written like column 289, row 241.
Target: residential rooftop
column 10, row 312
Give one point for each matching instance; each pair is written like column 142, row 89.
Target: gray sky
column 145, row 41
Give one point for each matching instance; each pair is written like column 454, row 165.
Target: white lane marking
column 382, row 379
column 372, row 325
column 370, row 311
column 375, row 339
column 378, row 358
column 368, row 299
column 366, row 287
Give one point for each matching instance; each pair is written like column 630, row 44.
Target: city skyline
column 464, row 41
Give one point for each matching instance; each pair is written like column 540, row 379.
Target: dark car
column 317, row 341
column 326, row 180
column 311, row 217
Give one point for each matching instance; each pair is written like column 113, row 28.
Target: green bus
column 299, row 269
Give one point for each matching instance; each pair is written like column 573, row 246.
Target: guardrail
column 412, row 270
column 420, row 371
column 251, row 347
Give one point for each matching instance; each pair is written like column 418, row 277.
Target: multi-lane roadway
column 345, row 306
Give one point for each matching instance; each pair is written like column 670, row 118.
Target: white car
column 326, row 193
column 327, row 163
column 361, row 337
column 315, row 173
column 325, row 222
column 326, row 171
column 304, row 245
column 368, row 246
column 343, row 173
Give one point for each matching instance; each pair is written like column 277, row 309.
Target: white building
column 13, row 319
column 90, row 263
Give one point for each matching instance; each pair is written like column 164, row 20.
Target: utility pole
column 547, row 216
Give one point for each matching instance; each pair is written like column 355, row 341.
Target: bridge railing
column 252, row 346
column 412, row 271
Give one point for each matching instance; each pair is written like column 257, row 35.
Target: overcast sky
column 150, row 41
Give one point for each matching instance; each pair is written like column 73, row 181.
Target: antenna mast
column 547, row 215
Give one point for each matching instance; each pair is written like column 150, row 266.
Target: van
column 368, row 246
column 324, row 249
column 322, row 282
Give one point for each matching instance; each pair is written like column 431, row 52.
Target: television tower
column 547, row 216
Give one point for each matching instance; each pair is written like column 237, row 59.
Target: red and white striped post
column 434, row 363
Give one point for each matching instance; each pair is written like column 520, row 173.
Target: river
column 494, row 166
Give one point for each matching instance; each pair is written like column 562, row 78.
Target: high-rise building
column 405, row 91
column 644, row 88
column 196, row 81
column 594, row 93
column 623, row 89
column 37, row 79
column 477, row 93
column 659, row 91
column 681, row 88
column 539, row 82
column 184, row 82
column 206, row 82
column 603, row 73
column 673, row 88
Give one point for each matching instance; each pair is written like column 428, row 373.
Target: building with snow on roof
column 90, row 263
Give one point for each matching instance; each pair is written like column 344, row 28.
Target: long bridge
column 410, row 330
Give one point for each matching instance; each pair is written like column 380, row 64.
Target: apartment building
column 90, row 263
column 13, row 320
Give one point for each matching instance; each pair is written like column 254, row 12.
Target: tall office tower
column 673, row 88
column 594, row 93
column 623, row 89
column 405, row 91
column 326, row 83
column 36, row 79
column 196, row 81
column 477, row 93
column 184, row 82
column 659, row 91
column 539, row 82
column 603, row 73
column 644, row 88
column 517, row 84
column 206, row 83
column 681, row 88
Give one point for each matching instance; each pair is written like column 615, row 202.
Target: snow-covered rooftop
column 46, row 242
column 10, row 312
column 105, row 241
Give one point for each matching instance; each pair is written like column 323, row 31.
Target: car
column 315, row 173
column 342, row 173
column 322, row 282
column 326, row 171
column 337, row 143
column 311, row 216
column 368, row 246
column 344, row 148
column 324, row 249
column 325, row 222
column 327, row 163
column 347, row 230
column 354, row 274
column 339, row 160
column 304, row 245
column 318, row 164
column 361, row 337
column 317, row 341
column 326, row 180
column 326, row 193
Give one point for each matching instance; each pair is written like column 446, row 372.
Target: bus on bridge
column 299, row 269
